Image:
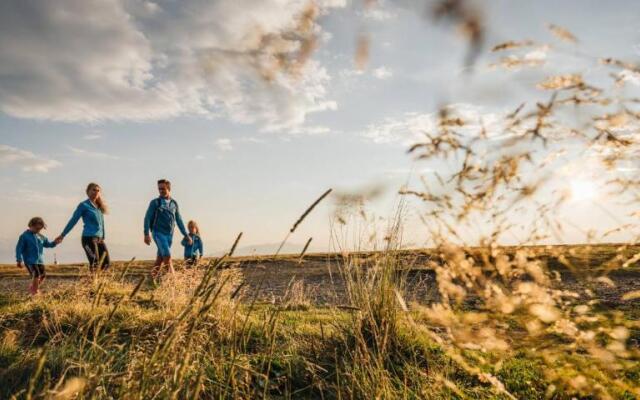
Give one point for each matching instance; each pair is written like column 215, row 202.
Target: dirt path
column 321, row 279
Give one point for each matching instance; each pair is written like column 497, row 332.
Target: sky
column 124, row 92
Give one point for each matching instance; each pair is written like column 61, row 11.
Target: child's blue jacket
column 30, row 248
column 193, row 249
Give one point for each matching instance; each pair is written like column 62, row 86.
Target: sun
column 582, row 190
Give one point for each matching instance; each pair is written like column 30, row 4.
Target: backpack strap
column 158, row 205
column 177, row 211
column 155, row 213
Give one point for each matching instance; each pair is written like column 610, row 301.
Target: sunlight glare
column 582, row 190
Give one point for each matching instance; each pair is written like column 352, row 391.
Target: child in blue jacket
column 192, row 251
column 30, row 251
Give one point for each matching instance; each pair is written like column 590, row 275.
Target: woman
column 92, row 213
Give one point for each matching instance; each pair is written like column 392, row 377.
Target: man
column 161, row 218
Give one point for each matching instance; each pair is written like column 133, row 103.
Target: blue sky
column 117, row 92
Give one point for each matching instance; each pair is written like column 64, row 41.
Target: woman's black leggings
column 96, row 251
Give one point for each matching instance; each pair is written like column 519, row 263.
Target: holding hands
column 60, row 238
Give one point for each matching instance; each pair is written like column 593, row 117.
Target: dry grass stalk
column 235, row 244
column 304, row 250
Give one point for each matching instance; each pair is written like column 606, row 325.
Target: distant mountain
column 271, row 248
column 7, row 251
column 71, row 252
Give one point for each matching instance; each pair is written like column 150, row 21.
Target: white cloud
column 92, row 154
column 382, row 73
column 407, row 129
column 27, row 160
column 311, row 130
column 350, row 75
column 408, row 171
column 94, row 60
column 224, row 144
column 92, row 136
column 252, row 139
column 537, row 55
column 627, row 75
column 381, row 11
column 36, row 197
column 411, row 127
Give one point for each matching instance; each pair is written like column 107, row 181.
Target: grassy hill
column 523, row 330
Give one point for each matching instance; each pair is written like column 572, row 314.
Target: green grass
column 187, row 338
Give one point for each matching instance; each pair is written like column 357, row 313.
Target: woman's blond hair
column 102, row 206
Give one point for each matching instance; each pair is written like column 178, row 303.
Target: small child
column 193, row 251
column 30, row 250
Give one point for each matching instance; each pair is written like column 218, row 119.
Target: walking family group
column 160, row 220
